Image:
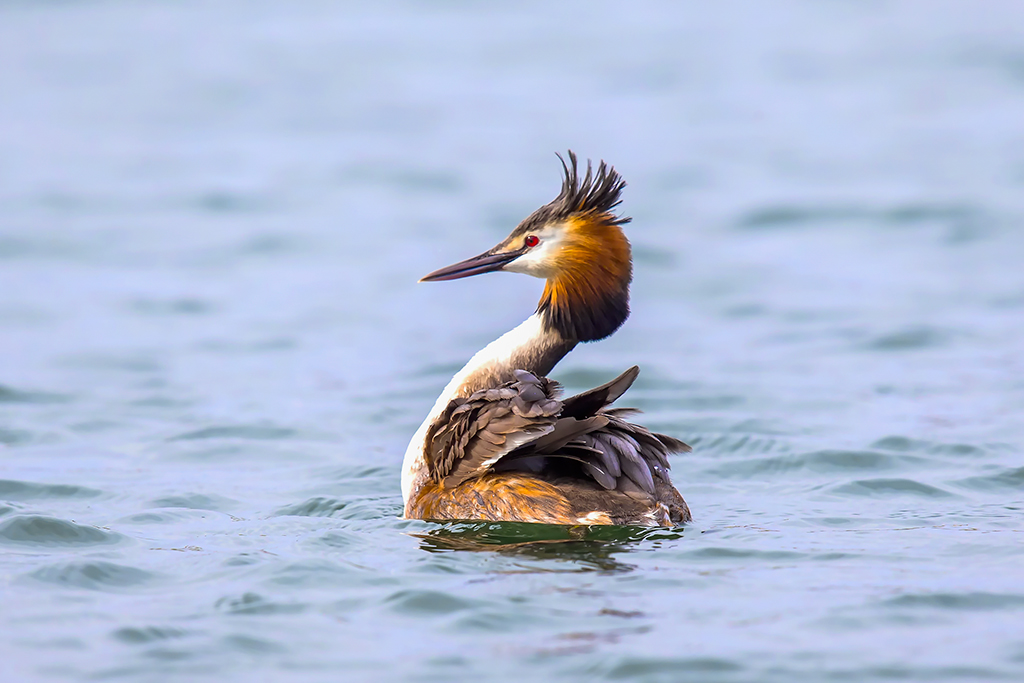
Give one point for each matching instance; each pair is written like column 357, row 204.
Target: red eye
column 532, row 240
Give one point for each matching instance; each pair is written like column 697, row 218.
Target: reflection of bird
column 499, row 444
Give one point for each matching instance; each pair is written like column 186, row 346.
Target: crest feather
column 597, row 192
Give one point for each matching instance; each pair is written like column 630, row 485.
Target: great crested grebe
column 499, row 444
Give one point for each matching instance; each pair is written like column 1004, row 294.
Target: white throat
column 498, row 353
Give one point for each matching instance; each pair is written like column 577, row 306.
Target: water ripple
column 960, row 217
column 905, row 444
column 428, row 602
column 722, row 553
column 50, row 531
column 12, row 395
column 27, row 490
column 1011, row 479
column 257, row 432
column 171, row 307
column 891, row 487
column 193, row 501
column 311, row 573
column 254, row 603
column 137, row 635
column 253, row 646
column 825, row 461
column 314, row 507
column 908, row 339
column 96, row 575
column 738, row 443
column 16, row 437
column 643, row 668
column 976, row 601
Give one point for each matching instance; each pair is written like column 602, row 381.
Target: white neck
column 503, row 354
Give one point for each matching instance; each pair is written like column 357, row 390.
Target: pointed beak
column 486, row 262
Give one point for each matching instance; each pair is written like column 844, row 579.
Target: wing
column 615, row 453
column 473, row 433
column 523, row 425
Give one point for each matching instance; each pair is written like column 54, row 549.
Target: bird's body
column 499, row 443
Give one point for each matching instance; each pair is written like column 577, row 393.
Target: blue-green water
column 213, row 349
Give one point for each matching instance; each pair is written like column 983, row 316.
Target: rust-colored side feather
column 499, row 497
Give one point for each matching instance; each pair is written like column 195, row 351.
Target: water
column 213, row 349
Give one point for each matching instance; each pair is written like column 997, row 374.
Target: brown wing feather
column 475, row 432
column 590, row 402
column 628, row 456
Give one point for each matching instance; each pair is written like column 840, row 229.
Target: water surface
column 213, row 349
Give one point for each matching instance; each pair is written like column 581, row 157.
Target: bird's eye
column 532, row 240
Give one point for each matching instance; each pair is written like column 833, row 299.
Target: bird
column 500, row 443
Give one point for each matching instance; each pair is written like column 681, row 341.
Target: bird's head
column 577, row 245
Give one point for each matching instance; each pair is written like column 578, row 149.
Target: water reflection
column 589, row 548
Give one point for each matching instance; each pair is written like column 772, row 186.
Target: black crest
column 597, row 192
column 593, row 193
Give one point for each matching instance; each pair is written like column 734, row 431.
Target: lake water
column 213, row 348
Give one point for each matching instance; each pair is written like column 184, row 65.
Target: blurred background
column 212, row 220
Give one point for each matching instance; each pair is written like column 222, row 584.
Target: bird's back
column 516, row 452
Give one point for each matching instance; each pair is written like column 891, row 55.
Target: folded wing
column 522, row 425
